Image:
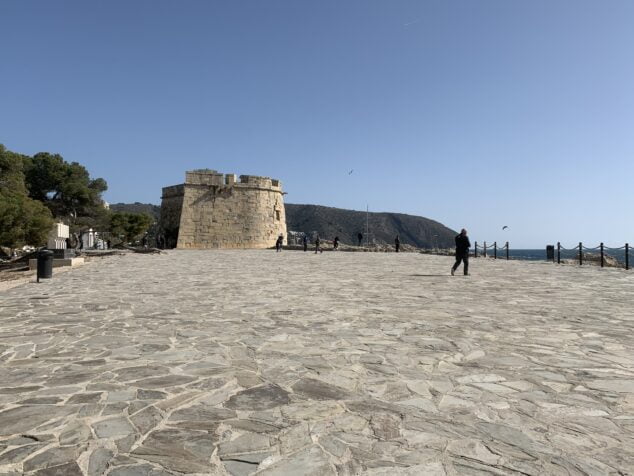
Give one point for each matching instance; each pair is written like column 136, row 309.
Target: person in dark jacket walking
column 317, row 245
column 397, row 243
column 335, row 243
column 462, row 252
column 360, row 238
column 279, row 243
column 305, row 242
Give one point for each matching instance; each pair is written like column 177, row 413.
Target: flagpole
column 367, row 225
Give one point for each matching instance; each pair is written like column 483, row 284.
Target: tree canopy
column 35, row 191
column 23, row 220
column 129, row 226
column 65, row 188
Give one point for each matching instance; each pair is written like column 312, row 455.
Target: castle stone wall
column 214, row 210
column 171, row 208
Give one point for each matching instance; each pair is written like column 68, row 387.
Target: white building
column 57, row 237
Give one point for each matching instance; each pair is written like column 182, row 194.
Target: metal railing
column 604, row 251
column 495, row 248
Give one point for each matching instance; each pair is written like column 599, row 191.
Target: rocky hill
column 330, row 222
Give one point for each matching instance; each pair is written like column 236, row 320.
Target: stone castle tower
column 213, row 210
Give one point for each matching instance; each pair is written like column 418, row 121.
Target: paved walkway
column 236, row 362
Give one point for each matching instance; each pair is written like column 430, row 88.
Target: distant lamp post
column 367, row 225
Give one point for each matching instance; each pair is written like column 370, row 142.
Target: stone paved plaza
column 242, row 362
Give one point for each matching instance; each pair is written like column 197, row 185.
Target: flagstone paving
column 243, row 362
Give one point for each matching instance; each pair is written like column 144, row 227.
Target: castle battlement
column 173, row 191
column 216, row 210
column 212, row 177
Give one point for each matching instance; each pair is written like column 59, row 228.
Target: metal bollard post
column 475, row 250
column 558, row 253
column 602, row 255
column 627, row 256
column 507, row 251
column 495, row 250
column 580, row 254
column 485, row 249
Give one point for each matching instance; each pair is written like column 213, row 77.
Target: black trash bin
column 550, row 253
column 44, row 264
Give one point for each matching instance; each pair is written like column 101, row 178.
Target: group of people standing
column 335, row 243
column 462, row 248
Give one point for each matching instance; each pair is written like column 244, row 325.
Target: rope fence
column 577, row 252
column 494, row 247
column 612, row 256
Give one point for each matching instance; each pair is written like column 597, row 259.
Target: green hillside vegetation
column 129, row 226
column 329, row 222
column 147, row 208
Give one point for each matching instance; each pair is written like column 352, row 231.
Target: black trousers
column 462, row 257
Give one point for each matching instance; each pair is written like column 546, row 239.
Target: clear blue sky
column 474, row 113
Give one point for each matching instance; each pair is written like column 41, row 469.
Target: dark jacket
column 462, row 244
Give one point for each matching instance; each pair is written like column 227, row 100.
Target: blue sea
column 531, row 255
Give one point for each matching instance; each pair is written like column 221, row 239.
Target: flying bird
column 350, row 173
column 504, row 227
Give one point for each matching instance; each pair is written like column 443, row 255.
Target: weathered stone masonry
column 213, row 210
